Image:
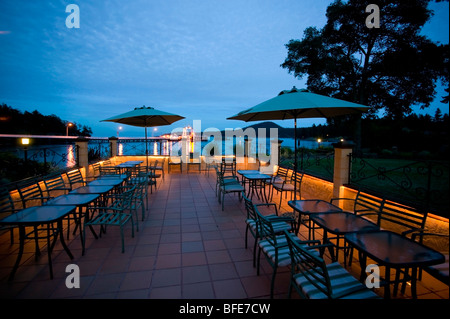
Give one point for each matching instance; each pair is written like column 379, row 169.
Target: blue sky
column 202, row 59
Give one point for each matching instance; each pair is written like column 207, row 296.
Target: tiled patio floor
column 187, row 247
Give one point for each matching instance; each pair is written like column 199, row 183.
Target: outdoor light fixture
column 67, row 128
column 25, row 142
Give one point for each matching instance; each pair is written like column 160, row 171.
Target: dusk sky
column 202, row 59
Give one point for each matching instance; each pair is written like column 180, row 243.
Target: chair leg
column 272, row 284
column 246, row 235
column 123, row 242
column 254, row 252
column 290, row 289
column 258, row 263
column 281, row 197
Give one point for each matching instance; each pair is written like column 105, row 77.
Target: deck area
column 186, row 248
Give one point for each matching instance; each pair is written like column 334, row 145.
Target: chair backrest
column 282, row 172
column 142, row 184
column 297, row 178
column 108, row 170
column 31, row 193
column 228, row 166
column 250, row 208
column 220, row 180
column 366, row 204
column 310, row 265
column 402, row 219
column 125, row 199
column 6, row 203
column 96, row 168
column 265, row 229
column 54, row 183
column 75, row 177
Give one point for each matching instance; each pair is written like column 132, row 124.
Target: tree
column 390, row 68
column 15, row 122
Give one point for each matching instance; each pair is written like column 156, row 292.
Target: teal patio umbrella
column 145, row 117
column 295, row 104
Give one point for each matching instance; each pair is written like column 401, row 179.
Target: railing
column 318, row 163
column 423, row 184
column 98, row 149
column 133, row 146
column 21, row 162
column 54, row 157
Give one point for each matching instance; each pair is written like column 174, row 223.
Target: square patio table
column 392, row 250
column 339, row 224
column 40, row 215
column 128, row 165
column 242, row 172
column 308, row 207
column 256, row 181
column 92, row 189
column 111, row 181
column 80, row 201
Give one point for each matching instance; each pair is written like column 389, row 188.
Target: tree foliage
column 14, row 121
column 390, row 68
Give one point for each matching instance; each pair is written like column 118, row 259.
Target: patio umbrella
column 145, row 117
column 296, row 104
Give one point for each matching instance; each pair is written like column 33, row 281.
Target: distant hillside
column 266, row 125
column 287, row 132
column 14, row 121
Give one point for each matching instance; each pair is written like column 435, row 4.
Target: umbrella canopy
column 145, row 117
column 294, row 104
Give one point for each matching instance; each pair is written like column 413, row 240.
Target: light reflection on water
column 64, row 156
column 71, row 161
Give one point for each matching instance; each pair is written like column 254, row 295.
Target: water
column 58, row 156
column 64, row 156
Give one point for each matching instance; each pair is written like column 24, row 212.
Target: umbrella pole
column 146, row 148
column 295, row 158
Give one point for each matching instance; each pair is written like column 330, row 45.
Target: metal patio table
column 308, row 207
column 92, row 189
column 128, row 165
column 35, row 216
column 392, row 250
column 246, row 171
column 80, row 201
column 107, row 181
column 339, row 224
column 256, row 181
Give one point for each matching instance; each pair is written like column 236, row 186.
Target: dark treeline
column 13, row 121
column 413, row 135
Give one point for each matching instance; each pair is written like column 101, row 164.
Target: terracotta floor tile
column 202, row 290
column 166, row 277
column 195, row 274
column 229, row 289
column 168, row 261
column 186, row 247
